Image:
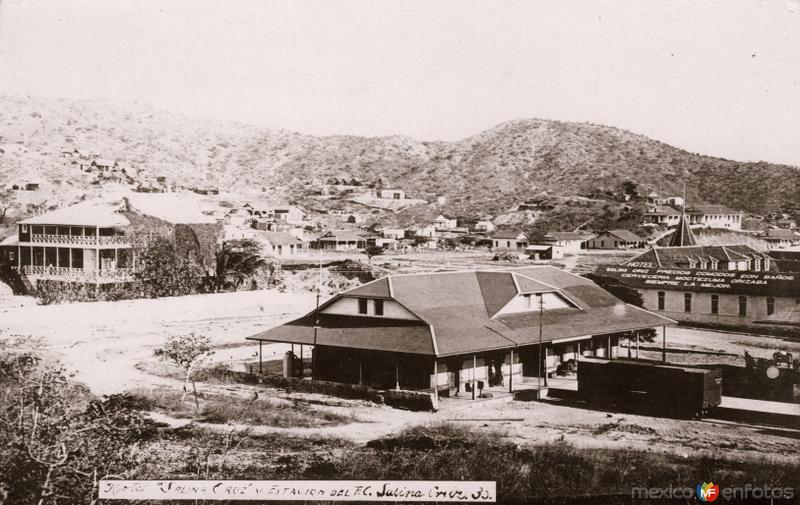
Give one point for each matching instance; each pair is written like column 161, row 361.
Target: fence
column 408, row 400
column 89, row 240
column 79, row 274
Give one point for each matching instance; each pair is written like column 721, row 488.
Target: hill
column 484, row 174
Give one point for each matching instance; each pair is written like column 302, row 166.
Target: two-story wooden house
column 96, row 241
column 83, row 243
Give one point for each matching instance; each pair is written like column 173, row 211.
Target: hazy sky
column 720, row 78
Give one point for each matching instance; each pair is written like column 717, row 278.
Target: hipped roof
column 569, row 235
column 106, row 213
column 710, row 209
column 459, row 313
column 88, row 213
column 679, row 257
column 342, row 236
column 508, row 234
column 280, row 238
column 626, row 235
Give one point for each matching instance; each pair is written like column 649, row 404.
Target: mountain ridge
column 483, row 174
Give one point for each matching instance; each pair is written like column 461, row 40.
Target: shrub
column 267, row 413
column 57, row 439
column 51, row 291
column 538, row 472
column 162, row 271
column 219, row 409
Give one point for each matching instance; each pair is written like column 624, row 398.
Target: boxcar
column 649, row 387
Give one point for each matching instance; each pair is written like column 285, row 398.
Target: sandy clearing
column 103, row 341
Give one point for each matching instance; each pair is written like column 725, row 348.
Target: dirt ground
column 104, row 341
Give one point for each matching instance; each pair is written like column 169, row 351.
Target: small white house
column 233, row 232
column 290, row 214
column 484, row 227
column 282, row 244
column 238, row 217
column 428, row 231
column 387, row 243
column 780, row 238
column 394, row 233
column 442, row 223
column 714, row 216
column 544, row 252
column 675, row 201
column 571, row 241
column 616, row 239
column 509, row 240
column 392, row 194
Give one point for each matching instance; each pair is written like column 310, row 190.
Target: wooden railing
column 80, row 239
column 79, row 274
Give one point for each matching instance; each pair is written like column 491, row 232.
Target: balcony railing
column 79, row 274
column 90, row 240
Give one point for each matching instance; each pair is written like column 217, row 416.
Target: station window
column 378, row 307
column 661, row 300
column 715, row 304
column 362, row 305
column 742, row 305
column 687, row 302
column 770, row 306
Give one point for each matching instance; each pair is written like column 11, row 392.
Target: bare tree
column 188, row 352
column 7, row 202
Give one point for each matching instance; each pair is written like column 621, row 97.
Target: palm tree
column 236, row 261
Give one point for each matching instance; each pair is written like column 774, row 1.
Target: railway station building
column 447, row 331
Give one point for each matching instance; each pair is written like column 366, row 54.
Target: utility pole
column 316, row 319
column 541, row 357
column 684, row 197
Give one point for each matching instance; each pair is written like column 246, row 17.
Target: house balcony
column 67, row 274
column 80, row 240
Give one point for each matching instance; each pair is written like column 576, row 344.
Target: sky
column 716, row 77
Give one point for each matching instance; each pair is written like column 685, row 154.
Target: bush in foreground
column 221, row 409
column 523, row 473
column 58, row 440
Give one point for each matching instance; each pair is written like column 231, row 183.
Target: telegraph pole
column 316, row 318
column 541, row 357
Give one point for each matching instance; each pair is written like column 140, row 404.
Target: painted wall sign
column 784, row 284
